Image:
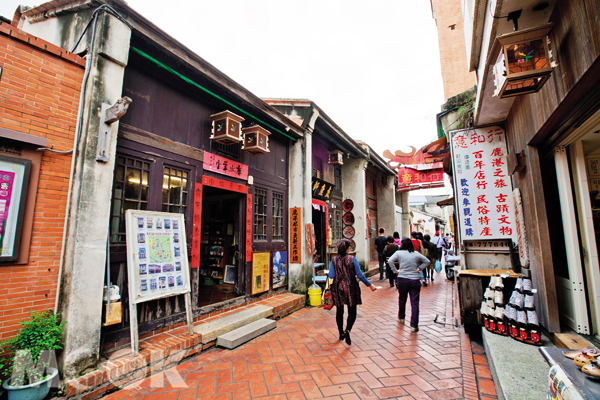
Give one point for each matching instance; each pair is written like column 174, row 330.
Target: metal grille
column 338, row 178
column 260, row 214
column 277, row 216
column 130, row 191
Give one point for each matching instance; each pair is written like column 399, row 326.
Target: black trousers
column 390, row 274
column 339, row 318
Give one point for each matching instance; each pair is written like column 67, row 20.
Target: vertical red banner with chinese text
column 249, row 227
column 197, row 225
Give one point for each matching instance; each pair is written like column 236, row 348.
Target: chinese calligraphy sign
column 225, row 166
column 483, row 186
column 196, row 225
column 295, row 235
column 413, row 177
column 321, row 190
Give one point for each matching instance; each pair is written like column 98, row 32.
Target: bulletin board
column 261, row 271
column 157, row 261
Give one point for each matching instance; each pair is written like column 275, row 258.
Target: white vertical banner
column 482, row 184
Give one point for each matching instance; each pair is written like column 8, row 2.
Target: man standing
column 380, row 243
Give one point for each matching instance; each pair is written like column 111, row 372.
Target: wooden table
column 471, row 287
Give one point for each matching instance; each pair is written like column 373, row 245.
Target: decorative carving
column 117, row 111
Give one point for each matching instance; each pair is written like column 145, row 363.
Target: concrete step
column 211, row 330
column 246, row 333
column 518, row 369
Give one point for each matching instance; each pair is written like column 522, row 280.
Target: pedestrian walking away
column 380, row 243
column 344, row 270
column 417, row 244
column 408, row 281
column 437, row 240
column 397, row 239
column 388, row 251
column 429, row 251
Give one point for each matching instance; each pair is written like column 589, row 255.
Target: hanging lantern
column 256, row 140
column 336, row 157
column 523, row 62
column 226, row 128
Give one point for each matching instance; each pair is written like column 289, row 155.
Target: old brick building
column 39, row 98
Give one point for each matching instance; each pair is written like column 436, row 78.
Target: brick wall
column 39, row 95
column 453, row 53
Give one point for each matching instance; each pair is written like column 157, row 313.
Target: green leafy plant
column 29, row 353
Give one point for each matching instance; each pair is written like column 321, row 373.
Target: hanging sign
column 520, row 226
column 424, row 176
column 261, row 263
column 295, row 235
column 309, row 240
column 225, row 166
column 196, row 225
column 14, row 182
column 482, row 184
column 321, row 190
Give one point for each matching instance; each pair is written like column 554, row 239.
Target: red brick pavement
column 303, row 359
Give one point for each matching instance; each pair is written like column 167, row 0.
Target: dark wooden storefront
column 159, row 166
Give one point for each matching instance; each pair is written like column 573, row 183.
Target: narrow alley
column 303, row 359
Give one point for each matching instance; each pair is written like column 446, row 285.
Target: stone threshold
column 163, row 351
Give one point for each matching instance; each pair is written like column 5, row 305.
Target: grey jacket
column 409, row 262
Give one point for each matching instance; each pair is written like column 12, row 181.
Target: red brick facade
column 453, row 53
column 39, row 95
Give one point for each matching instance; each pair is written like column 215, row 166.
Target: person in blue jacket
column 344, row 289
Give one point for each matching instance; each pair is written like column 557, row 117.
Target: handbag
column 438, row 266
column 327, row 297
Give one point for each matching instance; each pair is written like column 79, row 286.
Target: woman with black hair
column 431, row 253
column 408, row 281
column 344, row 289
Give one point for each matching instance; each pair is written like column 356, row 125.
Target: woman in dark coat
column 344, row 289
column 390, row 248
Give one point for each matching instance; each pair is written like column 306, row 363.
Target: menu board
column 156, row 254
column 261, row 263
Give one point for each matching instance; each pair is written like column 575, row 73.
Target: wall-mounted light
column 226, row 127
column 522, row 61
column 256, row 140
column 336, row 157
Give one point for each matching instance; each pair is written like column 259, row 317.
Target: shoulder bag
column 327, row 297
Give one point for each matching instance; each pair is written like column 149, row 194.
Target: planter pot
column 35, row 391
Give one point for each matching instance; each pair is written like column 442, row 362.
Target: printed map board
column 157, row 259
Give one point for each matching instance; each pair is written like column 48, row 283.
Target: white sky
column 372, row 66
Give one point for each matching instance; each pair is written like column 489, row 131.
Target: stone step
column 246, row 333
column 211, row 330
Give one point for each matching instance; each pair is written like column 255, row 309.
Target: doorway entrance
column 221, row 270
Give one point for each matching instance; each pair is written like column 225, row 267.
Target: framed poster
column 157, row 259
column 14, row 182
column 230, row 274
column 261, row 263
column 280, row 268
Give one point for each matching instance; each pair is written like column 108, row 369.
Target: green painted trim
column 191, row 82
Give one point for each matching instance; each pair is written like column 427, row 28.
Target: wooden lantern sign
column 226, row 128
column 256, row 140
column 524, row 61
column 336, row 157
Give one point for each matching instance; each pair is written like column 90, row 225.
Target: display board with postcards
column 157, row 260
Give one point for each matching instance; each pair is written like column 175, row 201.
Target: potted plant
column 28, row 355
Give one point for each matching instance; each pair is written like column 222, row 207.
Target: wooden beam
column 150, row 139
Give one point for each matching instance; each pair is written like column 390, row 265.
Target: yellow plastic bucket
column 314, row 295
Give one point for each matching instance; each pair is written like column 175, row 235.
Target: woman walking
column 397, row 239
column 409, row 280
column 431, row 254
column 344, row 289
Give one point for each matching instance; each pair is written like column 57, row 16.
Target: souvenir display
column 348, row 232
column 348, row 218
column 348, row 205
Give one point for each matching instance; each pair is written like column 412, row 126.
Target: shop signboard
column 280, row 268
column 225, row 166
column 422, row 176
column 261, row 263
column 295, row 235
column 321, row 190
column 14, row 182
column 482, row 184
column 157, row 261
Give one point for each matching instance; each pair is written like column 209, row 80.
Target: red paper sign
column 219, row 183
column 411, row 178
column 309, row 239
column 225, row 166
column 249, row 227
column 197, row 225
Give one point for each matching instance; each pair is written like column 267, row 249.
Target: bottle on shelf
column 519, row 284
column 484, row 314
column 511, row 320
column 534, row 327
column 527, row 285
column 500, row 320
column 529, row 302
